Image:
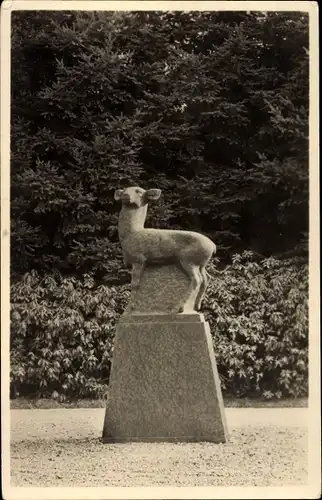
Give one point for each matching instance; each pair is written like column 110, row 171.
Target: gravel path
column 61, row 448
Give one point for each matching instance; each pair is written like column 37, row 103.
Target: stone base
column 162, row 287
column 164, row 384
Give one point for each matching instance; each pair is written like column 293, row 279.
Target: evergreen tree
column 210, row 107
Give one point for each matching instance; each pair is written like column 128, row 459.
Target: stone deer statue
column 188, row 250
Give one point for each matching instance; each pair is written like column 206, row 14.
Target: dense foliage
column 63, row 330
column 211, row 107
column 258, row 312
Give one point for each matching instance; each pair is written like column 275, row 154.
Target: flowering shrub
column 62, row 330
column 258, row 314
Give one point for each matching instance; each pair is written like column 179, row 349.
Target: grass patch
column 264, row 403
column 47, row 404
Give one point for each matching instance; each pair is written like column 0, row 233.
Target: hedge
column 258, row 314
column 62, row 330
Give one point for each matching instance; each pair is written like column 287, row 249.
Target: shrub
column 62, row 332
column 258, row 314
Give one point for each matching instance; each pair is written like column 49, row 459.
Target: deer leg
column 137, row 271
column 193, row 273
column 127, row 265
column 203, row 287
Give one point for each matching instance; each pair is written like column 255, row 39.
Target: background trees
column 211, row 107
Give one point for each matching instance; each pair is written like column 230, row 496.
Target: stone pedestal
column 162, row 287
column 164, row 384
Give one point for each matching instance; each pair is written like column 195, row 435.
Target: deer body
column 189, row 250
column 162, row 245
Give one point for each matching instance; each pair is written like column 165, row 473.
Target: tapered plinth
column 164, row 384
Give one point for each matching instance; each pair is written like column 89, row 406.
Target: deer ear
column 118, row 194
column 153, row 194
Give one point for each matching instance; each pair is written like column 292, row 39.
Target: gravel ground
column 62, row 448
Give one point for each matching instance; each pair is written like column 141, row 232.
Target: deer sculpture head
column 136, row 196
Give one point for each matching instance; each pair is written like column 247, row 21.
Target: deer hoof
column 176, row 310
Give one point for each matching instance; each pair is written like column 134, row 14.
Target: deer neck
column 131, row 220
